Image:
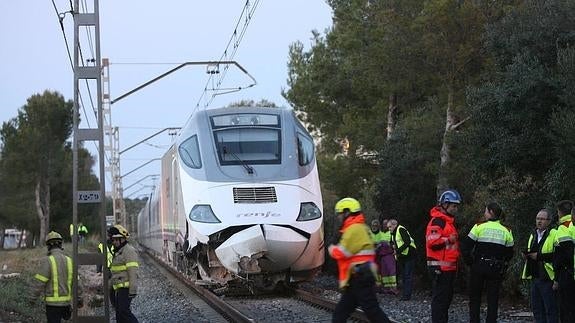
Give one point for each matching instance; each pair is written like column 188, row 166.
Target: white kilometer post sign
column 88, row 196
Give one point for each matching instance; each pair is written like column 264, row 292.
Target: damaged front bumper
column 261, row 248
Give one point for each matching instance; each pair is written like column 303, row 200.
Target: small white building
column 11, row 238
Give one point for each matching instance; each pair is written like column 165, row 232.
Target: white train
column 239, row 199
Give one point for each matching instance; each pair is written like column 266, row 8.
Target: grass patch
column 19, row 302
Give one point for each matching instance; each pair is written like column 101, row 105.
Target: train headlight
column 308, row 211
column 203, row 213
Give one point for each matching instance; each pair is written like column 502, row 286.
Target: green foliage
column 517, row 112
column 405, row 185
column 35, row 153
column 18, row 300
column 252, row 103
column 18, row 293
column 133, row 206
column 506, row 69
column 340, row 177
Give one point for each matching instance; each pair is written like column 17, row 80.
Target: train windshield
column 244, row 139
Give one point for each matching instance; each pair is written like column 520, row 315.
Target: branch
column 457, row 125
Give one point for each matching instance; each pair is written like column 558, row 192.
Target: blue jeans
column 406, row 271
column 544, row 301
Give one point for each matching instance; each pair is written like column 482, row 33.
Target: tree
column 520, row 143
column 33, row 152
column 451, row 36
column 530, row 89
column 252, row 103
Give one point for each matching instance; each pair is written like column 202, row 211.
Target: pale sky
column 33, row 58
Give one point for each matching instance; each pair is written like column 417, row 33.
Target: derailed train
column 239, row 200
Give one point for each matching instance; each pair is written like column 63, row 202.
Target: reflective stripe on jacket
column 355, row 247
column 109, row 254
column 399, row 240
column 55, row 275
column 124, row 269
column 491, row 232
column 441, row 241
column 544, row 254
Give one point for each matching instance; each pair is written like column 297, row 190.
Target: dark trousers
column 488, row 276
column 544, row 301
column 406, row 272
column 441, row 294
column 55, row 314
column 121, row 301
column 360, row 292
column 566, row 297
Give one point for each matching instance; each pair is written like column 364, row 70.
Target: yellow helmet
column 120, row 233
column 53, row 236
column 351, row 204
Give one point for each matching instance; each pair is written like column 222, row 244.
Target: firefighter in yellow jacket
column 55, row 279
column 355, row 256
column 124, row 281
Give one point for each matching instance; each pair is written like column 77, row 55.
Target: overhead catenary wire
column 61, row 16
column 245, row 16
column 89, row 33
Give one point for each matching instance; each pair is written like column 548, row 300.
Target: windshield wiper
column 247, row 167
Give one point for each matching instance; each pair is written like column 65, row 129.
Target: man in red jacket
column 442, row 249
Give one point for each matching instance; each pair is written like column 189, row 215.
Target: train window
column 237, row 146
column 190, row 152
column 305, row 149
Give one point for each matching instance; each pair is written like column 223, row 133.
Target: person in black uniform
column 487, row 249
column 563, row 262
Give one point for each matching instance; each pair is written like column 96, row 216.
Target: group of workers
column 366, row 256
column 55, row 276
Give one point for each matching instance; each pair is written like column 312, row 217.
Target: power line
column 61, row 16
column 235, row 40
column 88, row 32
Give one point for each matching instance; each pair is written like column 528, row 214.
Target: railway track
column 295, row 305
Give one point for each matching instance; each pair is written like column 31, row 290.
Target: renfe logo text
column 258, row 214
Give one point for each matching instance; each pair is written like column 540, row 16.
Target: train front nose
column 261, row 248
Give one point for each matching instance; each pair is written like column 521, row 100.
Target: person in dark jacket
column 404, row 247
column 487, row 249
column 538, row 269
column 563, row 261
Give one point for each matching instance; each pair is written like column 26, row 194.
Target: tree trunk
column 391, row 115
column 445, row 154
column 42, row 195
column 20, row 239
column 3, row 230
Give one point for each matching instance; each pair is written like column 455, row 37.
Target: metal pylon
column 90, row 21
column 113, row 148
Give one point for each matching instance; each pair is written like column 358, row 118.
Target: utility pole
column 113, row 148
column 91, row 21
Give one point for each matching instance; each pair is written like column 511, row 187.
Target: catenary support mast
column 90, row 21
